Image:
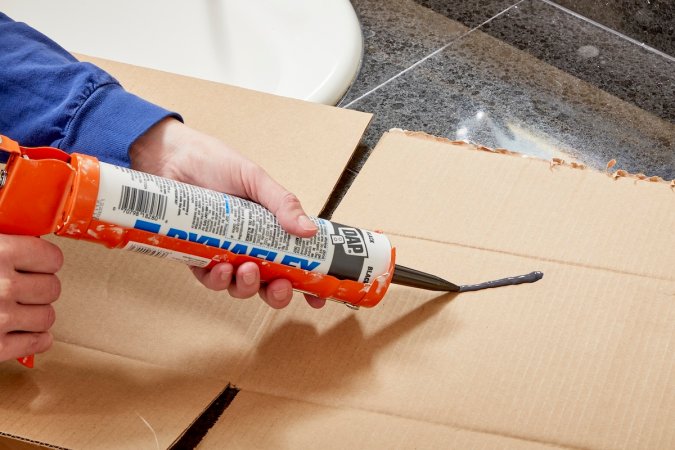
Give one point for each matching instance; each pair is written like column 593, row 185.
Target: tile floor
column 532, row 75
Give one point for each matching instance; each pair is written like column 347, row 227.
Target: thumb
column 283, row 204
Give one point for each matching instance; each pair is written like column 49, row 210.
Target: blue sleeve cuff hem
column 109, row 121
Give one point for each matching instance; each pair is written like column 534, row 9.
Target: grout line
column 610, row 30
column 430, row 55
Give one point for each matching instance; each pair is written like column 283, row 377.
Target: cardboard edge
column 199, row 428
column 344, row 181
column 620, row 173
column 99, row 61
column 10, row 440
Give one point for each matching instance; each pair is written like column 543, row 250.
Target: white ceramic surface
column 306, row 49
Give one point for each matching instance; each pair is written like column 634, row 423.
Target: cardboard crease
column 524, row 255
column 453, row 425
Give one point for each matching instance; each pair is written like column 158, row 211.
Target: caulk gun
column 45, row 190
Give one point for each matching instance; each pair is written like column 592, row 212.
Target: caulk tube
column 160, row 217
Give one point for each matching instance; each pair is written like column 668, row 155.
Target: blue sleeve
column 48, row 98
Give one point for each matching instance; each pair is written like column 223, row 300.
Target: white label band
column 138, row 200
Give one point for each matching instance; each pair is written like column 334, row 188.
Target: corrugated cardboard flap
column 582, row 358
column 82, row 398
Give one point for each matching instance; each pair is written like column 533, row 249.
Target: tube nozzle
column 406, row 276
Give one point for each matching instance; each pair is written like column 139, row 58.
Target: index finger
column 32, row 254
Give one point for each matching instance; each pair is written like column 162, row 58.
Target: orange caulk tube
column 45, row 190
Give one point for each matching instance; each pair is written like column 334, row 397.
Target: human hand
column 28, row 286
column 173, row 150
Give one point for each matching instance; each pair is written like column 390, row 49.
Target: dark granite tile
column 468, row 12
column 487, row 91
column 651, row 22
column 590, row 53
column 396, row 35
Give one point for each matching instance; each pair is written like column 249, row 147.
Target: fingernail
column 279, row 294
column 306, row 223
column 248, row 278
column 225, row 275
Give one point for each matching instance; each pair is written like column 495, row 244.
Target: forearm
column 47, row 97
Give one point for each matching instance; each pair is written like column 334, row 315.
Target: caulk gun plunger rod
column 414, row 278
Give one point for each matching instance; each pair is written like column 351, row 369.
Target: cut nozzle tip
column 406, row 276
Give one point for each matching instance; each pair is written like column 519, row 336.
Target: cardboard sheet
column 121, row 315
column 81, row 398
column 581, row 359
column 304, row 146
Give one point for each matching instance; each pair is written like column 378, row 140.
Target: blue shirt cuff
column 108, row 123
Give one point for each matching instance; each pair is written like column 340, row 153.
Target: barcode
column 150, row 251
column 138, row 201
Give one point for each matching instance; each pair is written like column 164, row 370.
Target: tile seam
column 610, row 30
column 430, row 55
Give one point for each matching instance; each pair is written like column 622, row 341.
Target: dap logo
column 351, row 240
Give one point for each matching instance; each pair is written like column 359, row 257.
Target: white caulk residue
column 112, row 228
column 381, row 282
column 85, row 165
column 73, row 229
column 315, row 278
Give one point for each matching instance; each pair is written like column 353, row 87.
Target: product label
column 138, row 200
column 159, row 252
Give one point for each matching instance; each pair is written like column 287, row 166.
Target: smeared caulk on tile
column 510, row 281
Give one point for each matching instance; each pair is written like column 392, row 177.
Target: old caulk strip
column 531, row 277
